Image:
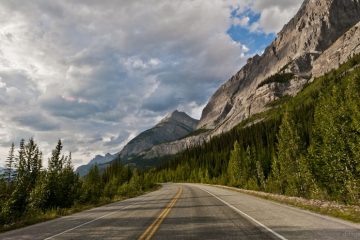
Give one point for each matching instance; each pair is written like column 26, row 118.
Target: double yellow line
column 151, row 230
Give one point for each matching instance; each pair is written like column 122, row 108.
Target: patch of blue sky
column 256, row 40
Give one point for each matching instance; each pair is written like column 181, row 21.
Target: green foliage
column 277, row 78
column 34, row 192
column 336, row 136
column 9, row 171
column 234, row 165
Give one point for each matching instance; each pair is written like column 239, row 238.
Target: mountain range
column 322, row 35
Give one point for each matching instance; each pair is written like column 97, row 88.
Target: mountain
column 321, row 36
column 84, row 169
column 316, row 26
column 173, row 127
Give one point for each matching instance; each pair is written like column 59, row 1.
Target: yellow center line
column 151, row 230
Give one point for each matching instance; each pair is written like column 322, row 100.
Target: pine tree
column 92, row 186
column 288, row 155
column 33, row 159
column 55, row 164
column 260, row 175
column 10, row 162
column 246, row 169
column 234, row 165
column 21, row 168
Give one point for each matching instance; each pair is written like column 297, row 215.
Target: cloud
column 267, row 16
column 96, row 73
column 36, row 122
column 274, row 14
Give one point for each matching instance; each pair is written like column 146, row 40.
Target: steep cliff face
column 322, row 35
column 345, row 47
column 317, row 25
column 173, row 127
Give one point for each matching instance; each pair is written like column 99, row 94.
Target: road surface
column 191, row 211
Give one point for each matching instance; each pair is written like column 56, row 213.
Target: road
column 191, row 211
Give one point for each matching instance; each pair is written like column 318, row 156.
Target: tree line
column 27, row 189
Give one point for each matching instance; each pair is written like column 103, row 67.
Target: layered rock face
column 322, row 35
column 317, row 25
column 344, row 48
column 173, row 127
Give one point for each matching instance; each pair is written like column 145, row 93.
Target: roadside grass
column 38, row 217
column 333, row 209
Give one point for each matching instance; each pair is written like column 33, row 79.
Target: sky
column 96, row 73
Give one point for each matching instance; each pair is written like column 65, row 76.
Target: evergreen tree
column 260, row 175
column 55, row 164
column 288, row 155
column 10, row 162
column 33, row 159
column 247, row 168
column 21, row 168
column 234, row 165
column 92, row 186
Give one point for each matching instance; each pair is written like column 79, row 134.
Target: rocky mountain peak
column 174, row 126
column 179, row 117
column 316, row 26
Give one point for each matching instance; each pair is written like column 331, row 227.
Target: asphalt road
column 191, row 211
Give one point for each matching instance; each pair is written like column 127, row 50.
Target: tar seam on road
column 151, row 230
column 245, row 215
column 83, row 224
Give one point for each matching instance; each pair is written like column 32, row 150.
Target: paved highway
column 191, row 211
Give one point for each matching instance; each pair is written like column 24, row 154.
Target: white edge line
column 292, row 207
column 83, row 224
column 247, row 216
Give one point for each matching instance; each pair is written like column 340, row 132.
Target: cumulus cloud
column 96, row 73
column 274, row 14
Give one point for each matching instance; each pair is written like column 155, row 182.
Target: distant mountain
column 173, row 127
column 84, row 169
